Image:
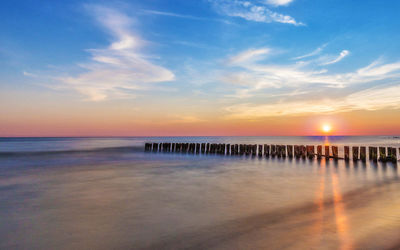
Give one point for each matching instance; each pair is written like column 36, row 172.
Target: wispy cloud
column 342, row 55
column 256, row 76
column 370, row 99
column 25, row 73
column 317, row 51
column 171, row 14
column 279, row 2
column 119, row 69
column 249, row 55
column 252, row 12
column 255, row 79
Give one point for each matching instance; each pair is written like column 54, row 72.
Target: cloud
column 313, row 53
column 269, row 89
column 252, row 12
column 29, row 74
column 253, row 76
column 370, row 99
column 278, row 2
column 249, row 55
column 342, row 55
column 171, row 14
column 118, row 70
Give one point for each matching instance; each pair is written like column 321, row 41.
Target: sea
column 108, row 193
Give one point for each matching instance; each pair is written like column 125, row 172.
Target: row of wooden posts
column 298, row 151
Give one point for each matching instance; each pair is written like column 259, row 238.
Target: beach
column 103, row 193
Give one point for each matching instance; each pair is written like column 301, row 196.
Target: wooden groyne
column 383, row 154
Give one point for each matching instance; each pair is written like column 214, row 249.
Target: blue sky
column 204, row 59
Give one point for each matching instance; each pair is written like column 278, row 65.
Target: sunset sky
column 199, row 67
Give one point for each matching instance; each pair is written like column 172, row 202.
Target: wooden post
column 319, row 151
column 335, row 152
column 155, row 147
column 355, row 153
column 310, row 151
column 273, row 150
column 232, row 149
column 392, row 154
column 284, row 153
column 254, row 150
column 363, row 153
column 290, row 150
column 278, row 150
column 228, row 148
column 374, row 154
column 346, row 153
column 236, row 149
column 382, row 153
column 260, row 150
column 266, row 150
column 327, row 152
column 303, row 151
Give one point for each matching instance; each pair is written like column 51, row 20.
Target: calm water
column 106, row 193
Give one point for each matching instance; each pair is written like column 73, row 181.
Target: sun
column 326, row 128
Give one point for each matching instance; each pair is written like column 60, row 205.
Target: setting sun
column 326, row 128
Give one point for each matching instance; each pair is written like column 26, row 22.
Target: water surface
column 102, row 193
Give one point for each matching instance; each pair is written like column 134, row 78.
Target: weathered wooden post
column 254, row 150
column 284, row 152
column 392, row 154
column 335, row 152
column 278, row 150
column 273, row 150
column 266, row 150
column 303, row 151
column 382, row 153
column 319, row 151
column 228, row 148
column 146, row 146
column 194, row 148
column 355, row 153
column 232, row 149
column 327, row 152
column 236, row 149
column 363, row 153
column 346, row 153
column 260, row 150
column 310, row 151
column 374, row 154
column 155, row 147
column 290, row 150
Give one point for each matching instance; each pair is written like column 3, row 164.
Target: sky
column 199, row 67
